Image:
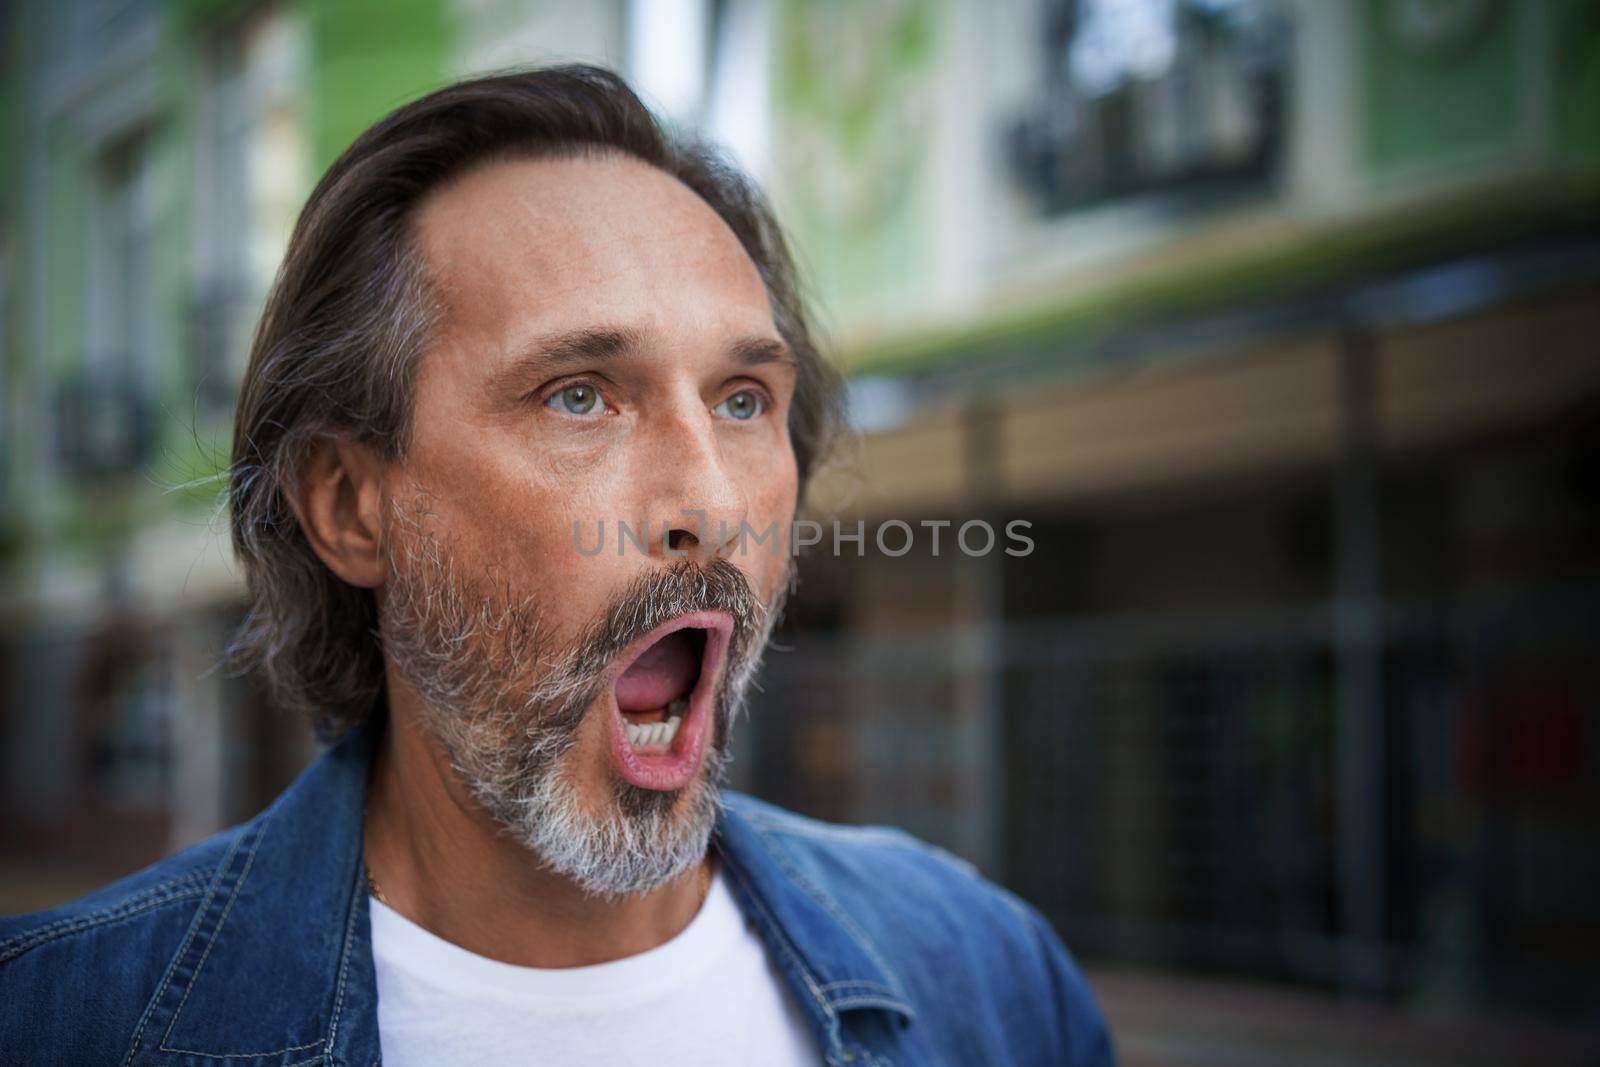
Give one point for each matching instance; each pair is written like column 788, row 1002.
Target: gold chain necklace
column 373, row 888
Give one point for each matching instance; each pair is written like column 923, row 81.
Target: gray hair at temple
column 350, row 314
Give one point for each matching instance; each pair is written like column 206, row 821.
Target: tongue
column 664, row 672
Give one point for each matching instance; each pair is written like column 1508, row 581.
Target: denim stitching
column 129, row 916
column 154, row 897
column 868, row 1002
column 789, row 953
column 183, row 949
column 69, row 923
column 885, row 835
column 292, row 1048
column 849, row 924
column 248, row 1055
column 194, row 979
column 839, row 1051
column 319, row 1059
column 781, row 941
column 879, row 986
column 344, row 967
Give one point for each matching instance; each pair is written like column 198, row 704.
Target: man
column 512, row 312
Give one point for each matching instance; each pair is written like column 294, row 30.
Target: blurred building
column 1278, row 322
column 1275, row 321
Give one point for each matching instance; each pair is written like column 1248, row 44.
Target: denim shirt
column 254, row 947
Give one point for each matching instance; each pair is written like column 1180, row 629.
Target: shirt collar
column 812, row 938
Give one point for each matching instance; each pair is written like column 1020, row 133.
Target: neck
column 443, row 862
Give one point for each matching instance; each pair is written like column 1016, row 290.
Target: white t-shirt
column 709, row 996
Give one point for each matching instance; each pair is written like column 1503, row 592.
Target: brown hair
column 349, row 316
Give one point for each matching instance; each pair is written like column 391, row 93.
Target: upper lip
column 717, row 621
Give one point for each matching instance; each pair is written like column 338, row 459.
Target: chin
column 632, row 839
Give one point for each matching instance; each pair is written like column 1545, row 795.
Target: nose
column 695, row 506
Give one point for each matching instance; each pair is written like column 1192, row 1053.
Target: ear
column 339, row 502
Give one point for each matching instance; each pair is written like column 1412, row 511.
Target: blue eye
column 580, row 398
column 744, row 405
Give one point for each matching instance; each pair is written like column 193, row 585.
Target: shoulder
column 128, row 909
column 951, row 936
column 858, row 859
column 99, row 958
column 120, row 904
column 858, row 865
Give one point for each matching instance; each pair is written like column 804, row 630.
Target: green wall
column 1427, row 104
column 854, row 149
column 369, row 56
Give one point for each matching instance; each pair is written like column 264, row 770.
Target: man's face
column 607, row 354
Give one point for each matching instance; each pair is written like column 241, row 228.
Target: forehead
column 530, row 246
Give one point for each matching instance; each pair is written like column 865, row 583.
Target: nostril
column 681, row 540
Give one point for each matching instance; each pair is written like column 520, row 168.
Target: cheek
column 771, row 500
column 507, row 511
column 521, row 518
column 765, row 462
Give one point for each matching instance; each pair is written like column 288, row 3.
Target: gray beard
column 507, row 711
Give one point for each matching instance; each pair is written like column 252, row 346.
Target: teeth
column 677, row 706
column 654, row 733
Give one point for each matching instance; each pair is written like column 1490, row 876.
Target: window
column 1144, row 97
column 251, row 179
column 104, row 417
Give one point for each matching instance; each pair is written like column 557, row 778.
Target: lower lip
column 675, row 768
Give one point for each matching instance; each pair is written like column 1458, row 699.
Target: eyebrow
column 753, row 351
column 549, row 355
column 581, row 346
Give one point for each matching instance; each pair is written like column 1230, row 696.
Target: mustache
column 657, row 597
column 661, row 595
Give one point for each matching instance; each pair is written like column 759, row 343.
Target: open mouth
column 653, row 693
column 663, row 697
